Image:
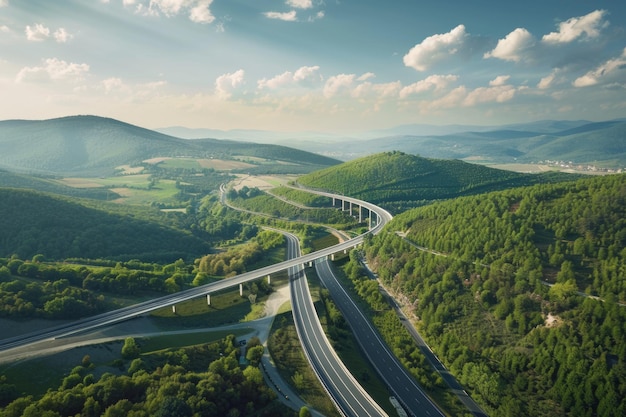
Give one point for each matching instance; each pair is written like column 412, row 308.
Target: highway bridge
column 347, row 394
column 126, row 313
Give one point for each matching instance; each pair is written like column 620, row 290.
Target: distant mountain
column 398, row 181
column 577, row 141
column 91, row 145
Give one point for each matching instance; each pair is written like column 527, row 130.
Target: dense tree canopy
column 498, row 282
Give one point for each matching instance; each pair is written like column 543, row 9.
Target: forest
column 199, row 380
column 520, row 292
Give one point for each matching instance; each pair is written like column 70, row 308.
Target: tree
column 130, row 350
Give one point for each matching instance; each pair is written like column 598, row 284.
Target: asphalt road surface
column 406, row 390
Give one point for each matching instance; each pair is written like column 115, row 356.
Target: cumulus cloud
column 300, row 4
column 499, row 80
column 575, row 27
column 497, row 94
column 302, row 76
column 201, row 13
column 547, row 81
column 37, row 33
column 53, row 69
column 285, row 16
column 513, row 47
column 61, row 35
column 225, row 84
column 338, row 82
column 435, row 48
column 432, row 82
column 606, row 71
column 378, row 91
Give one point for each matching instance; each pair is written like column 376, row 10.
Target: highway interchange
column 347, row 394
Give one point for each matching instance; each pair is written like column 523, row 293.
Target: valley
column 150, row 221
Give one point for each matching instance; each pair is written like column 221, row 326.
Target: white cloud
column 53, row 69
column 576, row 27
column 497, row 94
column 37, row 33
column 513, row 46
column 4, row 3
column 499, row 80
column 338, row 82
column 168, row 7
column 61, row 35
column 378, row 91
column 302, row 76
column 434, row 48
column 432, row 82
column 366, row 76
column 225, row 84
column 547, row 81
column 300, row 4
column 201, row 12
column 286, row 16
column 606, row 71
column 5, row 29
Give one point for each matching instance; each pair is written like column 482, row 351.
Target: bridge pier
column 269, row 280
column 241, row 290
column 208, row 299
column 332, row 256
column 360, row 214
column 174, row 308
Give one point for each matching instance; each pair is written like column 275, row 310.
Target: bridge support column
column 174, row 309
column 241, row 290
column 332, row 256
column 269, row 280
column 310, row 264
column 350, row 205
column 369, row 221
column 208, row 299
column 360, row 214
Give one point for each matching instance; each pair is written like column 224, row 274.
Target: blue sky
column 321, row 65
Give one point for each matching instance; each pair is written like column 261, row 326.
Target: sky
column 313, row 65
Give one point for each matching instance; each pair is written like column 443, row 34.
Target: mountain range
column 579, row 141
column 91, row 145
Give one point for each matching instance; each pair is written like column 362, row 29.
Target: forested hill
column 92, row 146
column 398, row 181
column 506, row 286
column 34, row 223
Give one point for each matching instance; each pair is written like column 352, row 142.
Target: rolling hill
column 93, row 146
column 398, row 181
column 36, row 223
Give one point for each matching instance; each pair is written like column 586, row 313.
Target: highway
column 347, row 394
column 398, row 380
column 136, row 310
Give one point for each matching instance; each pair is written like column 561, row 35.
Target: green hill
column 34, row 223
column 399, row 181
column 93, row 146
column 519, row 292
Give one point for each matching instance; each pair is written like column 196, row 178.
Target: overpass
column 116, row 316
